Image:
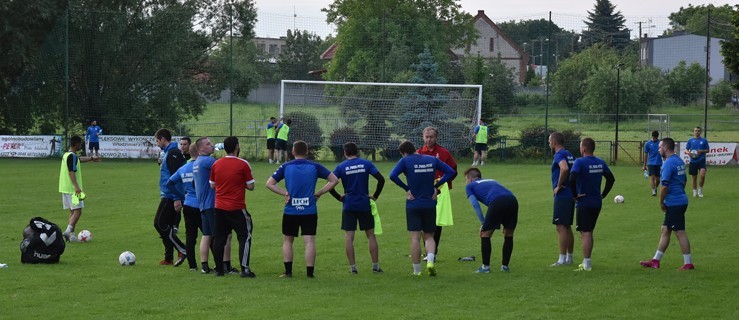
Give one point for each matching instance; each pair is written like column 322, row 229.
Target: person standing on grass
column 696, row 148
column 673, row 202
column 420, row 205
column 585, row 179
column 207, row 203
column 354, row 174
column 564, row 204
column 444, row 200
column 70, row 185
column 283, row 133
column 167, row 217
column 271, row 137
column 301, row 211
column 185, row 147
column 502, row 210
column 182, row 184
column 92, row 136
column 230, row 176
column 653, row 161
column 481, row 144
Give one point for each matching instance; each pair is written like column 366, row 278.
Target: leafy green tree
column 694, row 19
column 730, row 47
column 300, row 55
column 233, row 64
column 569, row 84
column 686, row 84
column 640, row 89
column 606, row 25
column 380, row 39
column 720, row 94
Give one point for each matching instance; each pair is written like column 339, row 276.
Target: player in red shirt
column 430, row 135
column 229, row 176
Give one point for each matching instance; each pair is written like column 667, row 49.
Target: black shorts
column 503, row 210
column 421, row 219
column 306, row 223
column 207, row 219
column 696, row 166
column 586, row 218
column 482, row 147
column 675, row 217
column 94, row 146
column 281, row 145
column 271, row 143
column 349, row 220
column 654, row 169
column 564, row 211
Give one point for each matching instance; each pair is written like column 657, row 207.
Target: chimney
column 480, row 12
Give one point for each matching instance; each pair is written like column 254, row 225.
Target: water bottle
column 646, row 174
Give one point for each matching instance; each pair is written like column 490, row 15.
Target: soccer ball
column 694, row 154
column 618, row 199
column 84, row 236
column 127, row 258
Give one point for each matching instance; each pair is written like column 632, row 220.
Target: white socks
column 568, row 257
column 687, row 259
column 587, row 263
column 417, row 268
column 70, row 229
column 562, row 258
column 431, row 257
column 658, row 255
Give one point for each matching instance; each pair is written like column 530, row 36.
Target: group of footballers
column 210, row 195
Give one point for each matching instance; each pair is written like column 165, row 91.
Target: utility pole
column 708, row 72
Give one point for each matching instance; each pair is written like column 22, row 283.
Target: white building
column 666, row 52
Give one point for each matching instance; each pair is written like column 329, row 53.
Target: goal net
column 378, row 116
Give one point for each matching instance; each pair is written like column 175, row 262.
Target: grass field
column 123, row 195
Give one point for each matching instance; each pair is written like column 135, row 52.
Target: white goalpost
column 378, row 116
column 659, row 122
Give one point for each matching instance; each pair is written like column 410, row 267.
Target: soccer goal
column 379, row 115
column 659, row 122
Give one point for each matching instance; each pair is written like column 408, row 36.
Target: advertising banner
column 721, row 153
column 30, row 146
column 129, row 147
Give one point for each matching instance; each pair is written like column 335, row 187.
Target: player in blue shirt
column 653, row 161
column 420, row 212
column 183, row 185
column 354, row 174
column 502, row 209
column 696, row 148
column 674, row 203
column 564, row 204
column 585, row 179
column 301, row 212
column 168, row 213
column 92, row 136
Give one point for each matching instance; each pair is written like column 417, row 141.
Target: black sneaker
column 248, row 274
column 378, row 270
column 311, row 276
column 180, row 259
column 206, row 271
column 355, row 272
column 219, row 274
column 233, row 271
column 286, row 275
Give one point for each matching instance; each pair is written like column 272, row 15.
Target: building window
column 273, row 50
column 492, row 46
column 262, row 48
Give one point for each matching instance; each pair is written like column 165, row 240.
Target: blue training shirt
column 673, row 176
column 91, row 134
column 354, row 175
column 201, row 176
column 651, row 148
column 300, row 177
column 565, row 155
column 590, row 172
column 485, row 191
column 182, row 181
column 697, row 144
column 419, row 171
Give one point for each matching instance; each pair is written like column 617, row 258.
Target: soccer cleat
column 311, row 276
column 71, row 238
column 417, row 274
column 482, row 163
column 695, row 193
column 700, row 194
column 233, row 271
column 654, row 264
column 206, row 270
column 474, row 164
column 378, row 270
column 559, row 264
column 286, row 275
column 180, row 259
column 482, row 270
column 654, row 194
column 425, row 258
column 65, row 235
column 431, row 268
column 687, row 266
column 165, row 262
column 582, row 267
column 219, row 274
column 354, row 272
column 270, row 161
column 504, row 268
column 248, row 274
column 194, row 269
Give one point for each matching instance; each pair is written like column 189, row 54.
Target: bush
column 720, row 95
column 339, row 137
column 536, row 137
column 529, row 100
column 305, row 127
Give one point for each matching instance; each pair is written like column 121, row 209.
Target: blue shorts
column 564, row 211
column 207, row 218
column 696, row 166
column 349, row 220
column 654, row 169
column 675, row 217
column 503, row 210
column 586, row 218
column 421, row 219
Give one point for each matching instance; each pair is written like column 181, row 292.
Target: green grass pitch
column 123, row 196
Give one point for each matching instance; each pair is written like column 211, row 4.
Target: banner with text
column 130, row 147
column 30, row 146
column 721, row 153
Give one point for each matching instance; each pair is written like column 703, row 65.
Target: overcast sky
column 276, row 16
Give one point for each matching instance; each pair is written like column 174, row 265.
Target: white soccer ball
column 84, row 236
column 694, row 153
column 127, row 258
column 618, row 199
